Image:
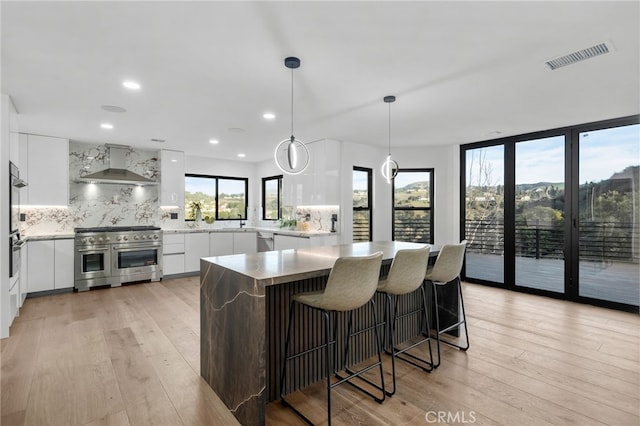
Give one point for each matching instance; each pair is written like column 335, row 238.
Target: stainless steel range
column 116, row 255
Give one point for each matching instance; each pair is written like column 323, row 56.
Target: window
column 362, row 220
column 221, row 198
column 413, row 206
column 272, row 198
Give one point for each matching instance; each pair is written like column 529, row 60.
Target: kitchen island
column 244, row 305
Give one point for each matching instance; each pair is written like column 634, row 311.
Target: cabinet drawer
column 172, row 248
column 173, row 239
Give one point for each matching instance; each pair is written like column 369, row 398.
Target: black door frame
column 571, row 208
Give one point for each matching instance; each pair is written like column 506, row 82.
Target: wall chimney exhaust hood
column 117, row 172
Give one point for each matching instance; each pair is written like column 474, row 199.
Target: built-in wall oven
column 15, row 244
column 116, row 255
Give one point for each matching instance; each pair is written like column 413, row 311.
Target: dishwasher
column 265, row 241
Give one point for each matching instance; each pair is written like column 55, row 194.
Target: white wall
column 445, row 161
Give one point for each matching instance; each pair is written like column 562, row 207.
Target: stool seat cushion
column 352, row 283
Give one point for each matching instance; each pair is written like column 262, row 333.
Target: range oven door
column 137, row 262
column 92, row 266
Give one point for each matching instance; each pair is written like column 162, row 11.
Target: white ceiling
column 461, row 71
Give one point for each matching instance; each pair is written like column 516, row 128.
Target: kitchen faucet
column 242, row 223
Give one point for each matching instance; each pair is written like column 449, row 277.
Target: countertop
column 293, row 233
column 49, row 237
column 275, row 267
column 278, row 231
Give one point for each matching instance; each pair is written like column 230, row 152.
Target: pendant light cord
column 389, row 128
column 292, row 138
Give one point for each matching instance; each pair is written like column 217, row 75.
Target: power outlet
column 173, row 215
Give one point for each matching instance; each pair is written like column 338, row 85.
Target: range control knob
column 136, row 238
column 84, row 240
column 143, row 237
column 91, row 240
column 155, row 236
column 107, row 239
column 125, row 238
column 118, row 238
column 99, row 239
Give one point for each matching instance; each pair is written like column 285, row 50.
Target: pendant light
column 389, row 168
column 291, row 155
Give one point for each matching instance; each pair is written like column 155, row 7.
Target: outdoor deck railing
column 602, row 241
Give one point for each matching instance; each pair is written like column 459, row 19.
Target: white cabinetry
column 171, row 178
column 285, row 242
column 245, row 242
column 172, row 254
column 196, row 246
column 220, row 243
column 41, row 265
column 50, row 265
column 47, row 171
column 319, row 184
column 63, row 264
column 24, row 272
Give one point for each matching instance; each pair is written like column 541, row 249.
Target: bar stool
column 406, row 276
column 351, row 284
column 447, row 271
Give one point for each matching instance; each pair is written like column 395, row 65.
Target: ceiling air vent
column 580, row 55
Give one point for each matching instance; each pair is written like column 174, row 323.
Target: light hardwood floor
column 130, row 355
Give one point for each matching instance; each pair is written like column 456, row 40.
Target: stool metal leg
column 328, row 362
column 462, row 322
column 426, row 365
column 357, row 374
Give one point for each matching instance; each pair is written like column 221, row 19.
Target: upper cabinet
column 44, row 164
column 171, row 178
column 319, row 183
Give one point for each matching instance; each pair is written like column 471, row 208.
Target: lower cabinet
column 285, row 242
column 50, row 265
column 196, row 246
column 24, row 273
column 63, row 264
column 241, row 242
column 245, row 242
column 221, row 243
column 172, row 254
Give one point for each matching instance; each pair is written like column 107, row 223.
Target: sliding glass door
column 608, row 214
column 557, row 212
column 484, row 213
column 539, row 213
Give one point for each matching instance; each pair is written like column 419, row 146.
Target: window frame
column 430, row 209
column 369, row 207
column 216, row 179
column 264, row 210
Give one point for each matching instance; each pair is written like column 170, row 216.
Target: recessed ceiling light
column 214, row 141
column 268, row 116
column 173, row 160
column 106, row 126
column 133, row 85
column 158, row 140
column 113, row 108
column 241, row 155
